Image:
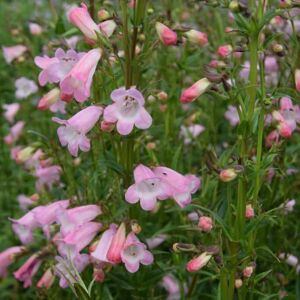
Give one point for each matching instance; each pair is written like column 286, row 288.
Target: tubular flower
column 195, row 91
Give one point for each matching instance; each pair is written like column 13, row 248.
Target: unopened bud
column 234, row 6
column 163, row 96
column 98, row 275
column 205, row 224
column 107, row 126
column 181, row 247
column 135, row 227
column 103, row 15
column 238, row 283
column 227, row 175
column 249, row 214
column 247, row 272
column 151, row 146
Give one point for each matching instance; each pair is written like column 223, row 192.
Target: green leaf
column 261, row 276
column 176, row 157
column 60, row 26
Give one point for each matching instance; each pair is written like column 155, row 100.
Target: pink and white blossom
column 15, row 133
column 191, row 132
column 74, row 130
column 7, row 257
column 134, row 253
column 127, row 110
column 11, row 53
column 196, row 90
column 167, row 36
column 25, row 87
column 10, row 111
column 232, row 115
column 198, row 263
column 47, row 176
column 46, row 280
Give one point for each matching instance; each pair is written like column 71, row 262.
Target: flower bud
column 247, row 272
column 107, row 126
column 227, row 175
column 234, row 6
column 205, row 224
column 297, row 80
column 135, row 227
column 98, row 275
column 197, row 37
column 116, row 247
column 249, row 214
column 35, row 197
column 181, row 247
column 195, row 91
column 103, row 15
column 225, row 50
column 277, row 48
column 285, row 3
column 167, row 36
column 163, row 96
column 198, row 263
column 284, row 129
column 24, row 154
column 151, row 146
column 238, row 283
column 49, row 99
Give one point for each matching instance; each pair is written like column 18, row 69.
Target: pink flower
column 271, row 65
column 67, row 270
column 147, row 188
column 197, row 37
column 46, row 280
column 170, row 283
column 82, row 236
column 205, row 224
column 52, row 101
column 198, row 263
column 28, row 270
column 25, row 202
column 15, row 133
column 117, row 244
column 167, row 36
column 25, row 87
column 127, row 110
column 181, row 187
column 79, row 80
column 10, row 111
column 297, row 80
column 224, row 51
column 81, row 18
column 108, row 27
column 100, row 253
column 74, row 130
column 191, row 132
column 73, row 218
column 134, row 253
column 7, row 258
column 286, row 104
column 195, row 91
column 232, row 116
column 35, row 29
column 288, row 206
column 156, row 241
column 11, row 53
column 56, row 68
column 47, row 176
column 249, row 214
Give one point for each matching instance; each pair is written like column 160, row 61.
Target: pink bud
column 272, row 138
column 224, row 51
column 205, row 224
column 286, row 103
column 48, row 99
column 98, row 275
column 249, row 212
column 107, row 126
column 103, row 14
column 166, row 35
column 108, row 27
column 116, row 247
column 247, row 272
column 195, row 91
column 297, row 79
column 198, row 263
column 197, row 37
column 284, row 129
column 227, row 175
column 80, row 17
column 46, row 280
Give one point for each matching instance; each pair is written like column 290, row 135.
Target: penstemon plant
column 159, row 159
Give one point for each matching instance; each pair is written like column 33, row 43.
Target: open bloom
column 116, row 246
column 11, row 53
column 181, row 187
column 191, row 132
column 73, row 132
column 79, row 80
column 15, row 133
column 47, row 176
column 67, row 270
column 54, row 69
column 10, row 111
column 74, row 217
column 82, row 236
column 232, row 115
column 195, row 91
column 7, row 258
column 197, row 37
column 134, row 253
column 25, row 87
column 166, row 35
column 127, row 110
column 80, row 17
column 147, row 188
column 198, row 263
column 28, row 270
